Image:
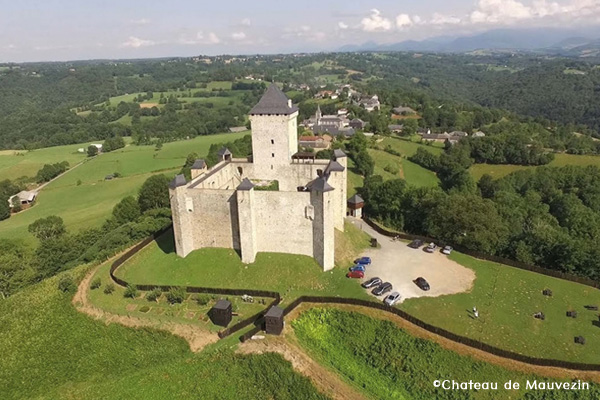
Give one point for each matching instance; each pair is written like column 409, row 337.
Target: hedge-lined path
column 552, row 372
column 325, row 380
column 197, row 338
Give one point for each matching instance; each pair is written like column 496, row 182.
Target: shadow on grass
column 166, row 242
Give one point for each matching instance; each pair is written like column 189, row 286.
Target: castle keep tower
column 274, row 129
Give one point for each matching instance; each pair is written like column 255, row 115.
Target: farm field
column 506, row 299
column 385, row 362
column 84, row 199
column 17, row 163
column 74, row 356
column 560, row 160
column 290, row 275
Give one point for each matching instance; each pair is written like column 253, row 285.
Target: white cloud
column 342, row 25
column 11, row 47
column 141, row 21
column 246, row 22
column 500, row 11
column 416, row 19
column 441, row 19
column 375, row 22
column 238, row 36
column 213, row 38
column 403, row 20
column 135, row 42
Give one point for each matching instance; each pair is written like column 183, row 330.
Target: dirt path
column 553, row 372
column 325, row 380
column 197, row 338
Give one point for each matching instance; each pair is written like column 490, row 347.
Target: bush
column 176, row 295
column 153, row 295
column 131, row 292
column 108, row 289
column 144, row 309
column 66, row 284
column 96, row 283
column 203, row 299
column 392, row 169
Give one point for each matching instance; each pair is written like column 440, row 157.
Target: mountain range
column 565, row 42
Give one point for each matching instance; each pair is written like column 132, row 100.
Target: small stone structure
column 355, row 206
column 219, row 207
column 274, row 321
column 221, row 313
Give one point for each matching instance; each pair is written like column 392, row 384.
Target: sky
column 59, row 30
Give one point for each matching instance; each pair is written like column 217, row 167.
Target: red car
column 355, row 274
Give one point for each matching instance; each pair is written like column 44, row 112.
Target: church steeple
column 319, row 114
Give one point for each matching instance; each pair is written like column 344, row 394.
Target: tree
column 92, row 151
column 410, row 126
column 4, row 208
column 154, row 193
column 126, row 210
column 50, row 227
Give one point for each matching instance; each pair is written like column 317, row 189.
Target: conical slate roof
column 355, row 199
column 334, row 166
column 245, row 185
column 199, row 164
column 274, row 101
column 179, row 180
column 320, row 185
column 339, row 153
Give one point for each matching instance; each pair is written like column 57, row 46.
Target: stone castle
column 224, row 207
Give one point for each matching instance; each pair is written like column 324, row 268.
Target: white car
column 431, row 247
column 447, row 250
column 392, row 298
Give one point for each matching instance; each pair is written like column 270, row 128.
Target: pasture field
column 409, row 147
column 507, row 298
column 385, row 362
column 17, row 163
column 52, row 351
column 560, row 160
column 84, row 199
column 290, row 275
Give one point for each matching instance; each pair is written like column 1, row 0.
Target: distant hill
column 571, row 42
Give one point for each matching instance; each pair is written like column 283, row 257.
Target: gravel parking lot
column 399, row 264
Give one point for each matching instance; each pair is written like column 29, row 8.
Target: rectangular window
column 273, row 155
column 272, row 141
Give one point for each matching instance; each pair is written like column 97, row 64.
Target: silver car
column 392, row 298
column 447, row 250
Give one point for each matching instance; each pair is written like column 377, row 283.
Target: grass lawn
column 507, row 298
column 17, row 163
column 290, row 275
column 385, row 362
column 417, row 175
column 88, row 204
column 413, row 174
column 52, row 351
column 560, row 160
column 355, row 180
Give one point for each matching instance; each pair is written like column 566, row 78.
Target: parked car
column 358, row 267
column 355, row 274
column 422, row 283
column 382, row 289
column 371, row 283
column 392, row 298
column 447, row 250
column 431, row 247
column 415, row 244
column 363, row 261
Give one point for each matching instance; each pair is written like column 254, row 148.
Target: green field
column 408, row 147
column 413, row 174
column 385, row 362
column 88, row 204
column 52, row 351
column 17, row 163
column 560, row 160
column 507, row 298
column 290, row 275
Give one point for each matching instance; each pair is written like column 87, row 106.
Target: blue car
column 358, row 267
column 363, row 261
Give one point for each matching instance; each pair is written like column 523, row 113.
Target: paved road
column 398, row 264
